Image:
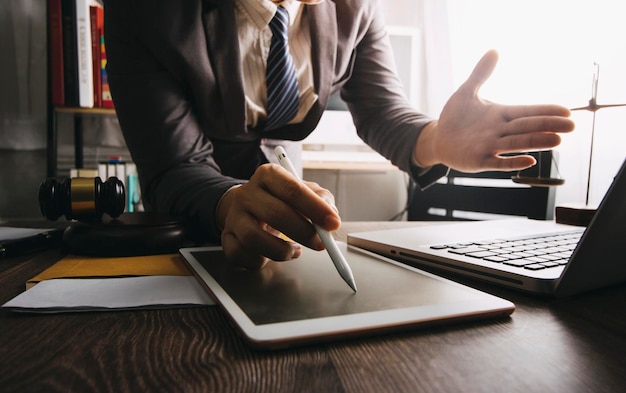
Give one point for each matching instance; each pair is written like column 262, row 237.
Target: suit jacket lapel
column 221, row 35
column 322, row 23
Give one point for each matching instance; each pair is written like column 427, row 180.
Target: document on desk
column 109, row 294
column 76, row 266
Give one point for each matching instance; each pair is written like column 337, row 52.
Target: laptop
column 508, row 251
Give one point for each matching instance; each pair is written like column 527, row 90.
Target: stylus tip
column 352, row 285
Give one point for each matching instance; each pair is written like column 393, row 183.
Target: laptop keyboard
column 531, row 253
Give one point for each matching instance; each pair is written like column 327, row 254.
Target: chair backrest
column 485, row 195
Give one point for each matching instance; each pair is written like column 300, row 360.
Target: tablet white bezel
column 283, row 334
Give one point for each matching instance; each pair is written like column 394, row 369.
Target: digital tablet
column 304, row 301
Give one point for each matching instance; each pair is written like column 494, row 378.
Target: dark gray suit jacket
column 175, row 75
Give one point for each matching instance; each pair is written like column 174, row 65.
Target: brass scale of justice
column 593, row 107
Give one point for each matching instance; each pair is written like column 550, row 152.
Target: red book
column 96, row 15
column 70, row 59
column 55, row 36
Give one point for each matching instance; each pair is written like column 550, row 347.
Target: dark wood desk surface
column 572, row 345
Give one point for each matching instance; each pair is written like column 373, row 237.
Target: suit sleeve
column 174, row 157
column 383, row 116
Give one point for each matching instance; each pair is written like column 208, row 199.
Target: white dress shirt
column 253, row 17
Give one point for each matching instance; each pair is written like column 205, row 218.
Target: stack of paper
column 95, row 284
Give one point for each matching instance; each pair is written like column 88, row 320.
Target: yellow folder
column 73, row 266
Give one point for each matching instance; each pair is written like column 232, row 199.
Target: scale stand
column 577, row 214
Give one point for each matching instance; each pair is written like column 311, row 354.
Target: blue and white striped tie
column 282, row 84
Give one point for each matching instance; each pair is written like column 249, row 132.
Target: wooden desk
column 573, row 345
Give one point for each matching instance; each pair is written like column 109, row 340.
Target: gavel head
column 82, row 198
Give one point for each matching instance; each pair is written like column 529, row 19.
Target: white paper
column 65, row 295
column 13, row 233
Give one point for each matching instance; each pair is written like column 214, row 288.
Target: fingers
column 254, row 250
column 540, row 123
column 289, row 203
column 307, row 198
column 271, row 203
column 517, row 111
column 482, row 71
column 515, row 144
column 527, row 142
column 511, row 163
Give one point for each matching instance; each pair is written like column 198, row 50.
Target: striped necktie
column 282, row 84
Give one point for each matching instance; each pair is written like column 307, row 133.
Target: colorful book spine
column 133, row 192
column 107, row 100
column 96, row 23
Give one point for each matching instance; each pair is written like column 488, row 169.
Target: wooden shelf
column 84, row 111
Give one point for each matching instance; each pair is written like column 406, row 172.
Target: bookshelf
column 53, row 110
column 52, row 133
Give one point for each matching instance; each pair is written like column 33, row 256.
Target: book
column 76, row 29
column 120, row 173
column 112, row 164
column 55, row 38
column 70, row 75
column 84, row 56
column 102, row 171
column 83, row 172
column 107, row 100
column 133, row 190
column 97, row 27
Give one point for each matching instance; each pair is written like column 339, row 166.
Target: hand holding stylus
column 253, row 216
column 333, row 250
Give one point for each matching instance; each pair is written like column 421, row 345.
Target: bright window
column 547, row 51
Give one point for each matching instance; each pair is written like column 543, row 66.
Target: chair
column 486, row 195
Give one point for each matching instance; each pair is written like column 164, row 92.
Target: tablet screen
column 309, row 287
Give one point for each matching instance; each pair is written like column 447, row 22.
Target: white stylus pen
column 333, row 250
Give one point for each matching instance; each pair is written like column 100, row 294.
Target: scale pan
column 538, row 181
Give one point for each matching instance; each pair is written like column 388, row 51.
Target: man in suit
column 189, row 91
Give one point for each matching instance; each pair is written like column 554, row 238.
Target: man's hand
column 254, row 215
column 472, row 134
